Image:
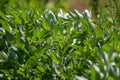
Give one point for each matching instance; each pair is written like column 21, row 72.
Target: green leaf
column 12, row 55
column 54, row 57
column 36, row 33
column 2, row 32
column 5, row 25
column 93, row 76
column 5, row 55
column 98, row 31
column 41, row 68
column 46, row 25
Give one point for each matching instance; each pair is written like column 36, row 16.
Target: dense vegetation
column 58, row 46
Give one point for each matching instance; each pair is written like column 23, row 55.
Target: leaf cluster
column 57, row 46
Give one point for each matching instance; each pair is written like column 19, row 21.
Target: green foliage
column 114, row 11
column 57, row 46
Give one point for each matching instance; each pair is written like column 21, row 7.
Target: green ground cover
column 36, row 45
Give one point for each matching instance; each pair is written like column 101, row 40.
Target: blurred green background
column 40, row 5
column 54, row 5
